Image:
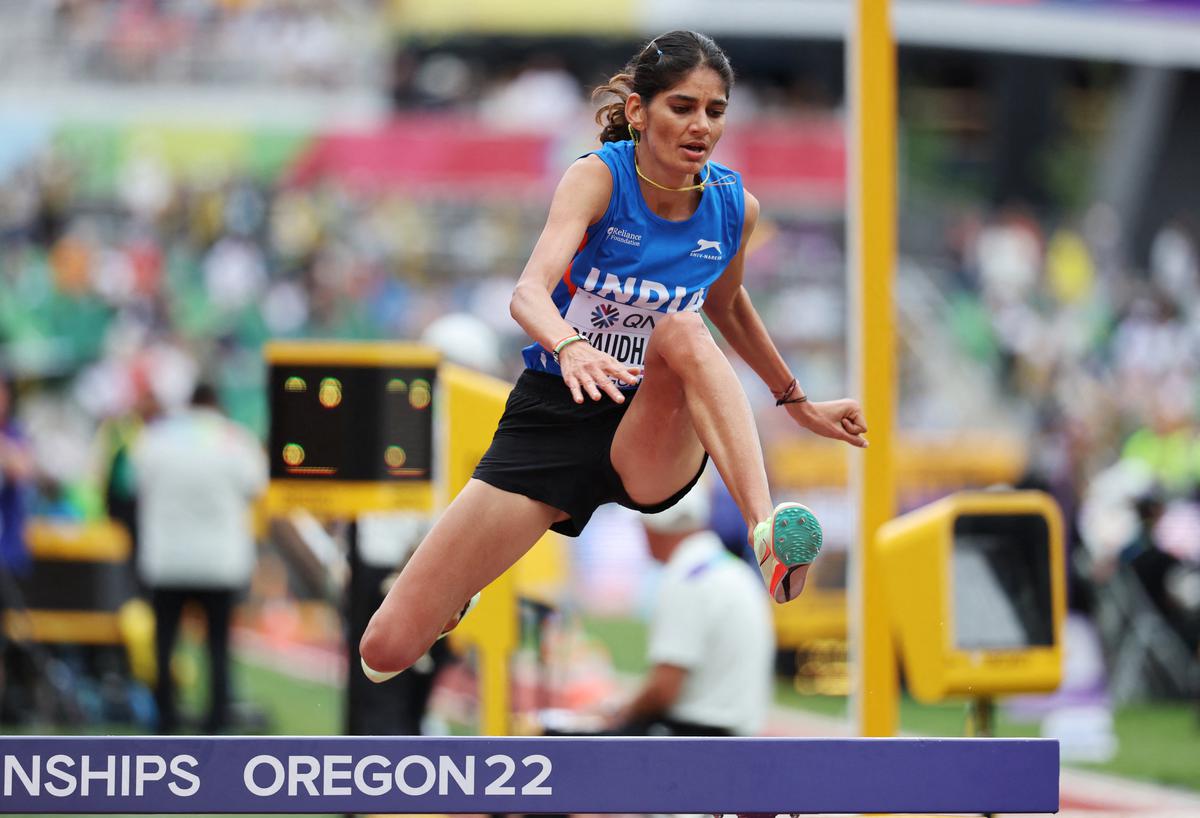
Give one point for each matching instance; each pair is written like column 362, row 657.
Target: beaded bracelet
column 564, row 343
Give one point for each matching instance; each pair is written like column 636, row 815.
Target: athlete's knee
column 683, row 337
column 390, row 647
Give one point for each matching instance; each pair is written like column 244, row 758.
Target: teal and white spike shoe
column 788, row 540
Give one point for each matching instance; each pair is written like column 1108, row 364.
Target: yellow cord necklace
column 648, row 180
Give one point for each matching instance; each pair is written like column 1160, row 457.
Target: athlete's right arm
column 580, row 200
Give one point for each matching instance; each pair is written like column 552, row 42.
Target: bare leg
column 690, row 401
column 482, row 533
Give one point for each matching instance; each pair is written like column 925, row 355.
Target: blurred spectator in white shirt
column 712, row 643
column 197, row 474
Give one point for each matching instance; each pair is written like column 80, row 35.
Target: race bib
column 621, row 330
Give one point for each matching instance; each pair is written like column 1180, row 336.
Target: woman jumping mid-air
column 625, row 394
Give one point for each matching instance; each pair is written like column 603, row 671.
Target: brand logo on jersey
column 624, row 236
column 707, row 249
column 604, row 316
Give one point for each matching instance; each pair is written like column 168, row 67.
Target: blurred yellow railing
column 922, row 463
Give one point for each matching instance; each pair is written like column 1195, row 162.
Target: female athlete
column 625, row 394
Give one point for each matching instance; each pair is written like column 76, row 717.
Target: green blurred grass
column 1158, row 742
column 293, row 707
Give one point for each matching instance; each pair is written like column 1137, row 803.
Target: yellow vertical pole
column 871, row 68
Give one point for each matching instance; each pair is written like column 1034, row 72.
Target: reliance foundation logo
column 624, row 236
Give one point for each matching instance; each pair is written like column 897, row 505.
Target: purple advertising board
column 526, row 775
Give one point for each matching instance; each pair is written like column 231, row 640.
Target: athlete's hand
column 587, row 370
column 838, row 419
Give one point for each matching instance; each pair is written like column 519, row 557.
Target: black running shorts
column 551, row 449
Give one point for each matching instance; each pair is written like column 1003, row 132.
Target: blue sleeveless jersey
column 635, row 267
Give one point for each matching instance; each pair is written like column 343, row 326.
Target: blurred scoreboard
column 352, row 426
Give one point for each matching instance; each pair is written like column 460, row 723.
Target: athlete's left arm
column 728, row 307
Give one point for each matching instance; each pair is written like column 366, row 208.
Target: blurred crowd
column 1104, row 356
column 116, row 303
column 128, row 298
column 314, row 43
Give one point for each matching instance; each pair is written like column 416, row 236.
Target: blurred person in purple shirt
column 16, row 487
column 16, row 496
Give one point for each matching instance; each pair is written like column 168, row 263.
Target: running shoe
column 789, row 539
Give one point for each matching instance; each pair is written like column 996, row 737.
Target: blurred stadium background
column 181, row 180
